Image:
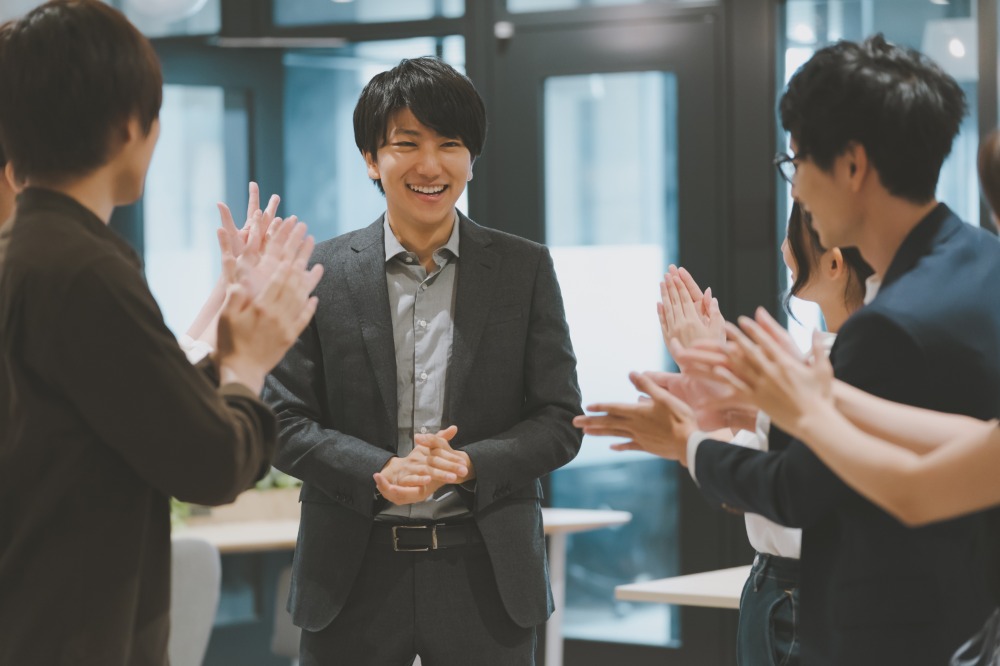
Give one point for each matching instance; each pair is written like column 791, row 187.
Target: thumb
column 448, row 433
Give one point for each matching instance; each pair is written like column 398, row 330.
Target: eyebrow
column 407, row 132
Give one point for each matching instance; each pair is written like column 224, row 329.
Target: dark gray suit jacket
column 511, row 390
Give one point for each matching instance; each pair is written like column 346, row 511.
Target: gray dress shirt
column 422, row 306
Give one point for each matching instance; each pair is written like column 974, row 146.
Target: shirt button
column 423, row 376
column 423, row 287
column 423, row 430
column 409, row 260
column 423, row 323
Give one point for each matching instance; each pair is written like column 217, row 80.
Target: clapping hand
column 256, row 329
column 686, row 313
column 253, row 233
column 761, row 364
column 659, row 424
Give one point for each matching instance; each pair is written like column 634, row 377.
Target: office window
column 611, row 224
column 946, row 32
column 12, row 9
column 185, row 179
column 168, row 18
column 309, row 12
column 326, row 183
column 521, row 6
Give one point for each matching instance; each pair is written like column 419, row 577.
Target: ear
column 131, row 130
column 373, row 171
column 11, row 177
column 832, row 262
column 857, row 164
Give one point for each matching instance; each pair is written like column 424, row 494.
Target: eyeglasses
column 786, row 164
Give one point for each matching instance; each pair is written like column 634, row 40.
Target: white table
column 557, row 524
column 713, row 589
column 238, row 535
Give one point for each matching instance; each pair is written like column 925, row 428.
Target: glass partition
column 326, row 183
column 168, row 18
column 611, row 223
column 186, row 177
column 519, row 6
column 310, row 12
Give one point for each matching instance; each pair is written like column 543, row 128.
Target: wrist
column 813, row 421
column 686, row 433
column 233, row 371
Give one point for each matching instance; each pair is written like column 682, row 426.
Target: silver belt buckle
column 404, row 549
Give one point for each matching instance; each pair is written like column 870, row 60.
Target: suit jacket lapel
column 370, row 297
column 478, row 273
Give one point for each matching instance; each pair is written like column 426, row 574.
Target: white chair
column 196, row 576
column 285, row 639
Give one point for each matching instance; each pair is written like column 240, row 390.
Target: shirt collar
column 393, row 248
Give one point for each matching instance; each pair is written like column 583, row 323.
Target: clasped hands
column 430, row 465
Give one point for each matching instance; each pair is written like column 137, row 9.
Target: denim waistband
column 785, row 569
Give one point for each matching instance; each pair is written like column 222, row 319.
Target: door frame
column 689, row 42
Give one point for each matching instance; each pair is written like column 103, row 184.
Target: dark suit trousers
column 443, row 605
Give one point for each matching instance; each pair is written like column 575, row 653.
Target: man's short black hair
column 895, row 102
column 438, row 96
column 72, row 74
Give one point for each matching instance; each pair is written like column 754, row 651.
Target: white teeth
column 437, row 189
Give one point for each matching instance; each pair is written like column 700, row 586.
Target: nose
column 429, row 163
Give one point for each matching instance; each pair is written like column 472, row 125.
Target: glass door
column 610, row 155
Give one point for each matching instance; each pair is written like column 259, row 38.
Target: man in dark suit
column 433, row 389
column 870, row 126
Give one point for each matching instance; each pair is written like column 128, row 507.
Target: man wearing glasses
column 871, row 125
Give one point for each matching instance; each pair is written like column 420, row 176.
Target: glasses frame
column 786, row 165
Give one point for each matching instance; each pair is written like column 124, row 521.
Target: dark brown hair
column 435, row 92
column 989, row 170
column 803, row 241
column 72, row 74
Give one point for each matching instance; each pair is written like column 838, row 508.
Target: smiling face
column 423, row 173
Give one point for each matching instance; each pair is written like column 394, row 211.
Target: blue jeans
column 769, row 607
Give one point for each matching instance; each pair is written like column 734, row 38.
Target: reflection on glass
column 165, row 18
column 555, row 5
column 611, row 222
column 946, row 32
column 307, row 12
column 186, row 177
column 12, row 9
column 326, row 183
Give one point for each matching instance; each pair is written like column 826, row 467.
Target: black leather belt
column 422, row 538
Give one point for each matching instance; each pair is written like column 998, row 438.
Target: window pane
column 326, row 183
column 12, row 9
column 186, row 177
column 305, row 12
column 518, row 6
column 946, row 32
column 611, row 222
column 164, row 18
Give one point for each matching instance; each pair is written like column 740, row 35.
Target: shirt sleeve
column 113, row 358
